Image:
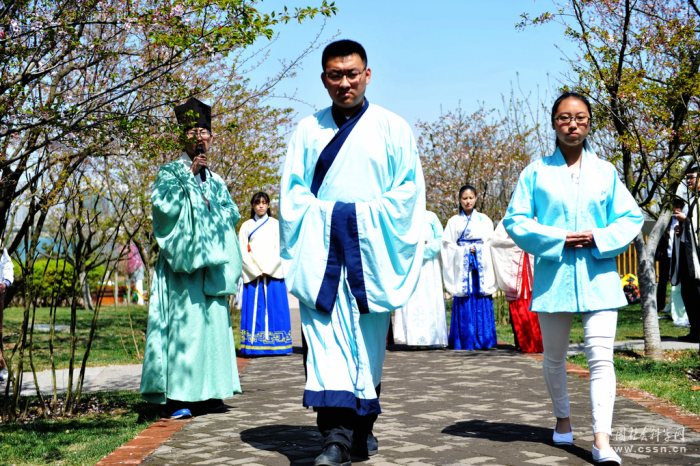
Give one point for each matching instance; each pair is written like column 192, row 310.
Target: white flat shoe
column 566, row 438
column 606, row 455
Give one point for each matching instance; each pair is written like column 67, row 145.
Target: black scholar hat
column 194, row 114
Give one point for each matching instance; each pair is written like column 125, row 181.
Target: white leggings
column 599, row 335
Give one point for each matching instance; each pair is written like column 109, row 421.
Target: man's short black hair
column 343, row 48
column 678, row 202
column 691, row 169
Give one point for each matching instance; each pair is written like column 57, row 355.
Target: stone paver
column 440, row 408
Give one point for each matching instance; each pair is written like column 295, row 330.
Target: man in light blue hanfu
column 352, row 202
column 189, row 364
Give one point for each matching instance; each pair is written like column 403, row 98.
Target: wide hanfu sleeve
column 391, row 233
column 506, row 260
column 433, row 242
column 221, row 278
column 453, row 262
column 251, row 270
column 304, row 225
column 191, row 234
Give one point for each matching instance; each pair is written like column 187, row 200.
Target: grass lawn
column 629, row 326
column 117, row 341
column 109, row 420
column 676, row 378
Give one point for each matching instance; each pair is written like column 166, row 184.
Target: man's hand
column 198, row 162
column 3, row 287
column 582, row 239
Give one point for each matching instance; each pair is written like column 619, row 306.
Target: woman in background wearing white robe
column 421, row 322
column 513, row 268
column 265, row 322
column 468, row 275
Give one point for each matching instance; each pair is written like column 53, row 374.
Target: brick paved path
column 440, row 408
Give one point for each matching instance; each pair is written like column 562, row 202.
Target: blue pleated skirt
column 265, row 325
column 473, row 325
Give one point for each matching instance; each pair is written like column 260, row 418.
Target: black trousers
column 344, row 425
column 690, row 292
column 664, row 276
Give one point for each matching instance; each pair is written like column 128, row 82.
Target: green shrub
column 52, row 278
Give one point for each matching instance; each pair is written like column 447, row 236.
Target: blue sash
column 257, row 228
column 329, row 153
column 344, row 247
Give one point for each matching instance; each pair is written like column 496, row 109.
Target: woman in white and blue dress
column 469, row 276
column 571, row 211
column 421, row 322
column 265, row 322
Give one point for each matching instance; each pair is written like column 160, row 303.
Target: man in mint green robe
column 190, row 361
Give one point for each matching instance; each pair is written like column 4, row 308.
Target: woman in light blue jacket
column 572, row 212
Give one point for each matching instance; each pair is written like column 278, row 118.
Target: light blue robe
column 546, row 204
column 378, row 172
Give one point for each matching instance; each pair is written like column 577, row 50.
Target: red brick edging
column 649, row 401
column 153, row 436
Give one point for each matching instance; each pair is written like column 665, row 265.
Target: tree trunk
column 85, row 288
column 646, row 273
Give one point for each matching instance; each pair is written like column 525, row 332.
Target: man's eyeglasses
column 337, row 76
column 567, row 119
column 198, row 132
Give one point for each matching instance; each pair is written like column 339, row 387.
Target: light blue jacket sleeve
column 623, row 220
column 520, row 221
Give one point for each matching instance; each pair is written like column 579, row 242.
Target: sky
column 427, row 57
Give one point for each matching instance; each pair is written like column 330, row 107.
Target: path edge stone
column 148, row 440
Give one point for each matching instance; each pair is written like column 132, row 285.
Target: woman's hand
column 582, row 239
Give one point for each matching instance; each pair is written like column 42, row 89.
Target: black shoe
column 372, row 445
column 690, row 338
column 214, row 405
column 333, row 454
column 364, row 447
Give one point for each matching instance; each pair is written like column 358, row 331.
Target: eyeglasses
column 567, row 119
column 198, row 132
column 336, row 77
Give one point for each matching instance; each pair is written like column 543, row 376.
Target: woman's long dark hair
column 466, row 187
column 255, row 199
column 555, row 107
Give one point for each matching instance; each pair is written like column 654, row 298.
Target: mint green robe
column 190, row 353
